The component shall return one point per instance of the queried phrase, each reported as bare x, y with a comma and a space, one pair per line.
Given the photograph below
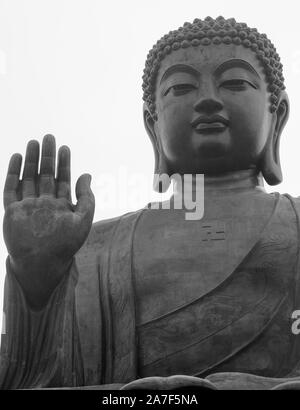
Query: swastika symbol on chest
213, 231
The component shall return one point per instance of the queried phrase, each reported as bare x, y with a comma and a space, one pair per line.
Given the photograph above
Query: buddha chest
234, 268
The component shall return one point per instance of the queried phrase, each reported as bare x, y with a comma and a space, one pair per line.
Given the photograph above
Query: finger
30, 172
47, 169
12, 180
64, 173
85, 198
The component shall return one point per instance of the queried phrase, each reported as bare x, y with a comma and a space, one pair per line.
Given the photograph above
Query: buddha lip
214, 121
211, 127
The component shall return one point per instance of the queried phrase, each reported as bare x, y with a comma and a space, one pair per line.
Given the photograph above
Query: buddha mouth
215, 123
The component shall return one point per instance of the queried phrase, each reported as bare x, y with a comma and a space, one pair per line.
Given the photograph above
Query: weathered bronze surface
149, 295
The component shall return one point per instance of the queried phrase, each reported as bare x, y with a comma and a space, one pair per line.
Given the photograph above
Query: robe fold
88, 333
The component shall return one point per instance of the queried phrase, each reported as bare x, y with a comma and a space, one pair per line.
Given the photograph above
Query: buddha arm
40, 348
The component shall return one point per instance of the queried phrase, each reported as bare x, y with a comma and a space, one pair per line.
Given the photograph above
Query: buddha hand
176, 382
42, 228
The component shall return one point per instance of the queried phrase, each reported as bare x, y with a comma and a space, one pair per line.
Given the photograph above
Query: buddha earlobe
270, 165
160, 167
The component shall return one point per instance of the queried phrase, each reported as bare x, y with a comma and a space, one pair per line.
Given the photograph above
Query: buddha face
213, 110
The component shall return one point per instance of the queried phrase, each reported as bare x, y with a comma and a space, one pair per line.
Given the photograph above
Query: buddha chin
212, 146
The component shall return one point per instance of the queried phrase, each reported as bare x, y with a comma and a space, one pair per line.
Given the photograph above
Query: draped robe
88, 333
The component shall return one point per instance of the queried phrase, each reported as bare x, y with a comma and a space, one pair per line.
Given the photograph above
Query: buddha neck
239, 181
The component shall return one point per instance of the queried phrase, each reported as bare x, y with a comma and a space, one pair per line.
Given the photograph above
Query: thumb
85, 197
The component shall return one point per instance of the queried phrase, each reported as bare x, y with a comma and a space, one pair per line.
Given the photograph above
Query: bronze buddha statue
150, 294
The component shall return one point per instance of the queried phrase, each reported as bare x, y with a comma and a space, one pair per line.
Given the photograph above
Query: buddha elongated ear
160, 184
270, 166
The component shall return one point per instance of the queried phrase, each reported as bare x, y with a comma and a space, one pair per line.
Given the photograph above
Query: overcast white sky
73, 68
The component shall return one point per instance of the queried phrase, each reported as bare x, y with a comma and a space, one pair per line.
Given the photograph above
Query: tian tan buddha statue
130, 301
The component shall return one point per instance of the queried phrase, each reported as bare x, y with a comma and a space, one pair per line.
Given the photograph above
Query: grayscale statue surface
151, 299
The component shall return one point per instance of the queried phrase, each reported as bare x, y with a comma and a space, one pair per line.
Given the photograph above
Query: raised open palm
42, 228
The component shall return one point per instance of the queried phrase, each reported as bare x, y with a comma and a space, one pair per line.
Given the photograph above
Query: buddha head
215, 100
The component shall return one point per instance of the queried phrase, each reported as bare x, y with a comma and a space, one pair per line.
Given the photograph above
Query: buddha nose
208, 101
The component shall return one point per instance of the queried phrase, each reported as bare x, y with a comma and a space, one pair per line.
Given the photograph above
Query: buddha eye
237, 84
180, 89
